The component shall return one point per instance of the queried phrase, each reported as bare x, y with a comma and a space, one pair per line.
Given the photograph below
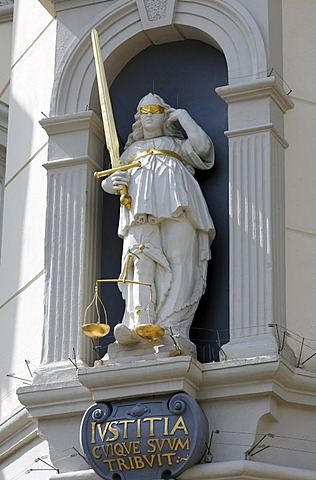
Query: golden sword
111, 138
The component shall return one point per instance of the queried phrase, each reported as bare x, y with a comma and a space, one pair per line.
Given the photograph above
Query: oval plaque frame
144, 439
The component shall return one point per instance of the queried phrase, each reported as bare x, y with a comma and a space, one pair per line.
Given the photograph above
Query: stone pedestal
165, 347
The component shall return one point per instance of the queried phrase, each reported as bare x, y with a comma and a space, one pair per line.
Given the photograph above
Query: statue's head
153, 104
152, 115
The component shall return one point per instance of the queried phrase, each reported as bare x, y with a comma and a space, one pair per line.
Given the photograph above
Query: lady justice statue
167, 231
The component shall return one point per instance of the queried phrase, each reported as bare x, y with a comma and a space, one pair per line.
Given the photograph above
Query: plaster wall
299, 37
291, 442
22, 246
31, 78
21, 318
31, 20
22, 258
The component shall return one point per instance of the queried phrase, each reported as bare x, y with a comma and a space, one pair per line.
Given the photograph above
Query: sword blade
111, 138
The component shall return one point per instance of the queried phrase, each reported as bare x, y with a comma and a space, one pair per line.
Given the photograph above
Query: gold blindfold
151, 109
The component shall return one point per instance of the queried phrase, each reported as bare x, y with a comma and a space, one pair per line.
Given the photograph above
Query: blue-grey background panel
185, 74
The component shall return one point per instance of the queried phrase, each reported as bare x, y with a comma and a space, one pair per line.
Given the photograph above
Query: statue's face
152, 122
152, 115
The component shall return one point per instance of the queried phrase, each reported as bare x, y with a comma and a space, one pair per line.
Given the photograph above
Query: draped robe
164, 189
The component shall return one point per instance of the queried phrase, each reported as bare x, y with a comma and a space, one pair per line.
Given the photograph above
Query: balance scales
147, 331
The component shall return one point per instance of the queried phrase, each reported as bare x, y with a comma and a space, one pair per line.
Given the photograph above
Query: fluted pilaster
256, 232
71, 241
72, 235
256, 210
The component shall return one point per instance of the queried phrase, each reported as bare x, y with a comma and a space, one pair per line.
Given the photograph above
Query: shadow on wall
18, 321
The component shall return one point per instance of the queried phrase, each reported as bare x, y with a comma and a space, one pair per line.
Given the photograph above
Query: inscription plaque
148, 438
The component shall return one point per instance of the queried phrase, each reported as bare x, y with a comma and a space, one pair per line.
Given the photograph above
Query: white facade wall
27, 75
299, 71
272, 395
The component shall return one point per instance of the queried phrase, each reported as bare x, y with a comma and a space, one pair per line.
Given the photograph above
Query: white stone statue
168, 230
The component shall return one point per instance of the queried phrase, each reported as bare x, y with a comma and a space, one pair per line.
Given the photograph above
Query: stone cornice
54, 399
73, 122
15, 422
251, 377
266, 87
143, 378
6, 12
243, 469
4, 113
3, 152
15, 432
234, 470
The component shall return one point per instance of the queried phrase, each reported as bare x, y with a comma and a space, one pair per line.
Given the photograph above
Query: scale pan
95, 330
150, 331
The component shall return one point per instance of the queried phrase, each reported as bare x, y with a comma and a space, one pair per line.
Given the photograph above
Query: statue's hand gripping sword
111, 139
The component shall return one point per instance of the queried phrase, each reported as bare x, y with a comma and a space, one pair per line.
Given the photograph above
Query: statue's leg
144, 296
140, 300
180, 245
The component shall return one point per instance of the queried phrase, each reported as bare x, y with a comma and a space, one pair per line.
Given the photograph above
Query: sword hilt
125, 198
122, 168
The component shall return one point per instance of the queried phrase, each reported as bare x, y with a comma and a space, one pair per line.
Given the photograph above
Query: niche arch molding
226, 25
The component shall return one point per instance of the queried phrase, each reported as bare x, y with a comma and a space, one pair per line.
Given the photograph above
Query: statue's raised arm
168, 230
201, 143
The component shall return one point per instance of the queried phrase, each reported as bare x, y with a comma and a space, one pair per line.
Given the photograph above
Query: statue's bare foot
125, 335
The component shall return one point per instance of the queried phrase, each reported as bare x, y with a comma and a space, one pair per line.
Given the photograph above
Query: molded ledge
229, 379
4, 114
268, 127
55, 399
256, 89
245, 470
78, 135
258, 376
71, 162
6, 13
143, 378
235, 470
72, 123
16, 432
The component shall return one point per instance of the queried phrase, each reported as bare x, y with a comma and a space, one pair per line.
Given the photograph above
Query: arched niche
227, 25
256, 105
186, 74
